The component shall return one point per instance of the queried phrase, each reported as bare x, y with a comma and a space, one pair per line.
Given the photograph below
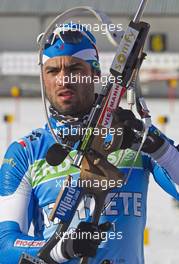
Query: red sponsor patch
29, 243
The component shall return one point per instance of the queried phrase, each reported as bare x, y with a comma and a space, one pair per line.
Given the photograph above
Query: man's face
68, 96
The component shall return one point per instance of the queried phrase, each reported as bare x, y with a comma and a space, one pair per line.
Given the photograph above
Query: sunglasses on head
69, 36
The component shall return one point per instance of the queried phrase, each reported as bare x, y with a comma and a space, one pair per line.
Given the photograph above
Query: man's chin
72, 110
67, 111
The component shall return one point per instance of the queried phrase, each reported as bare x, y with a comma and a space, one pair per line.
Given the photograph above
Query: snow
163, 215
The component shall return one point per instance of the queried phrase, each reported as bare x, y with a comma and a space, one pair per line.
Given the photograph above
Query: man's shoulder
38, 140
35, 135
34, 145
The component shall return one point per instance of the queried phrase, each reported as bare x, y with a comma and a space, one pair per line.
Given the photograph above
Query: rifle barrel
140, 11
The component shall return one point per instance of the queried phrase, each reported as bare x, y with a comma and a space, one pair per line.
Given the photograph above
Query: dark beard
73, 111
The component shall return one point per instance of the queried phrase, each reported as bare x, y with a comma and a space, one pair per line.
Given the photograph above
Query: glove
129, 123
156, 143
85, 240
152, 143
127, 120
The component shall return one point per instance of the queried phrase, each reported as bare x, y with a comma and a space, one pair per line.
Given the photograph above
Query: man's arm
170, 161
16, 210
17, 201
167, 156
163, 156
16, 206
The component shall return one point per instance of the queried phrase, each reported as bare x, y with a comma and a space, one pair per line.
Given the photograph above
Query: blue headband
84, 50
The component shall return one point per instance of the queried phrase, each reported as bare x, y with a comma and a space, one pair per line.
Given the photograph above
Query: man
29, 185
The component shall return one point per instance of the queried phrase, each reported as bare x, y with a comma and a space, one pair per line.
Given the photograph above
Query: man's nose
62, 78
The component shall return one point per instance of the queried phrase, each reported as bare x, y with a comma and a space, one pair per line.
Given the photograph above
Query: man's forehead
64, 60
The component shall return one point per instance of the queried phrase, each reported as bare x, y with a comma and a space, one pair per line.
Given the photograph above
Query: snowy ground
163, 216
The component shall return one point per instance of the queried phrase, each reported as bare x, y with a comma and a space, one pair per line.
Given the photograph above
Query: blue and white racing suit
29, 187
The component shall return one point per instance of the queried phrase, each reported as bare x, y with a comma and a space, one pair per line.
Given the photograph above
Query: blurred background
20, 104
22, 20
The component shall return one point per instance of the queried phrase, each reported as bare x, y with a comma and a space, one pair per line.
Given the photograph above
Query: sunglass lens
71, 37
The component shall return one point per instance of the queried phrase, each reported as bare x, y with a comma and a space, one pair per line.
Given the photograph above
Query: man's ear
96, 73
